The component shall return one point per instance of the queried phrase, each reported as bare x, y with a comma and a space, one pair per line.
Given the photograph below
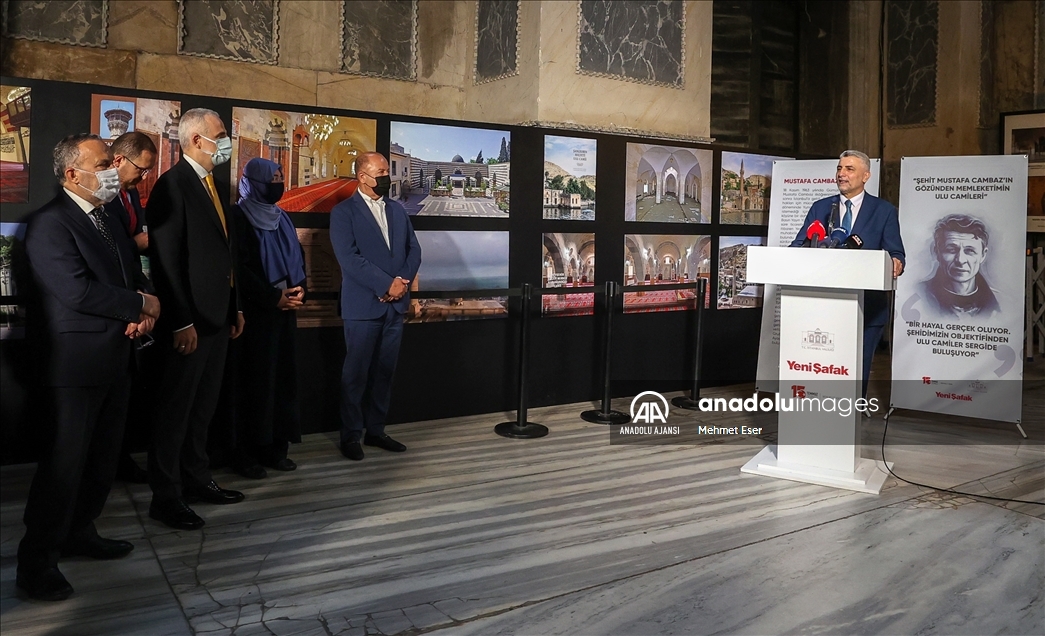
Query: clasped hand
147, 319
291, 299
397, 290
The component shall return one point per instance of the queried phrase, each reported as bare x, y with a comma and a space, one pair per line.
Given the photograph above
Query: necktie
847, 220
98, 216
209, 180
131, 215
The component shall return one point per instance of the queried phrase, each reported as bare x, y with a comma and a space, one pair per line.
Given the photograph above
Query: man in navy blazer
877, 223
379, 256
90, 295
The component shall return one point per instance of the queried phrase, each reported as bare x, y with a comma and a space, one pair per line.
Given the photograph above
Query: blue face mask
223, 151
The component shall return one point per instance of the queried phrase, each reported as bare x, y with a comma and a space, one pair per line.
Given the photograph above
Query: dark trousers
872, 336
188, 397
75, 471
372, 348
267, 416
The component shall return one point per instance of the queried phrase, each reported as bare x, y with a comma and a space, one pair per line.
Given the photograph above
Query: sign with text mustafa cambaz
796, 186
958, 346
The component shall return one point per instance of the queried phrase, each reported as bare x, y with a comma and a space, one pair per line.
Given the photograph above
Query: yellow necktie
209, 180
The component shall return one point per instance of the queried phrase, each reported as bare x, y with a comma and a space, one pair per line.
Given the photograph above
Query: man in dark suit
90, 291
133, 156
379, 256
877, 223
192, 256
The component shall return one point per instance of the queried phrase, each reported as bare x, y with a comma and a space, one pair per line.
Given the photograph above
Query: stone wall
292, 53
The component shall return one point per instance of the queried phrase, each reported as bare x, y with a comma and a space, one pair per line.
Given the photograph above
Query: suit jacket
256, 293
368, 265
190, 256
878, 224
86, 296
116, 209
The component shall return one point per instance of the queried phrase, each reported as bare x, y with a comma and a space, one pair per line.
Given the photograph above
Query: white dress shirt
377, 208
858, 202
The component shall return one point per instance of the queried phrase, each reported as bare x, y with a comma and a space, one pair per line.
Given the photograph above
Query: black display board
452, 368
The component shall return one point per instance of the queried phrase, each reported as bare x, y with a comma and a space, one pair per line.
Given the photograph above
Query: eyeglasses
144, 340
143, 171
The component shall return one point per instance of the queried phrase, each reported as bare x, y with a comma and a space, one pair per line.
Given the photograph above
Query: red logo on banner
798, 391
926, 379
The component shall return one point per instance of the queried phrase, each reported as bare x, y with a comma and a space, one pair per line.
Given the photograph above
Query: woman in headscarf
271, 278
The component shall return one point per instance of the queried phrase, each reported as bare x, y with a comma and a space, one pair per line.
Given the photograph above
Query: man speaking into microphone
857, 220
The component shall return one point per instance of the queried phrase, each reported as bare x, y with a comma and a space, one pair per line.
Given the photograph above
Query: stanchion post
520, 428
607, 415
692, 401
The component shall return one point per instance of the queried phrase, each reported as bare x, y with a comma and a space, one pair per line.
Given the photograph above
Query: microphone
833, 220
837, 238
854, 242
815, 233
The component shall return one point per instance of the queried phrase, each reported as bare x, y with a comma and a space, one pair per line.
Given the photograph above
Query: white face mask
108, 184
223, 150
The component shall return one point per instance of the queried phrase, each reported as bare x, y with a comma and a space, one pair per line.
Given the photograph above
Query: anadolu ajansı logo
651, 411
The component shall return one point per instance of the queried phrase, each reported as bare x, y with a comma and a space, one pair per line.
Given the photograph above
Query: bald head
369, 167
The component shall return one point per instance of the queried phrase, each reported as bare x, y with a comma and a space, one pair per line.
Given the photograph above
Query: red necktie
126, 198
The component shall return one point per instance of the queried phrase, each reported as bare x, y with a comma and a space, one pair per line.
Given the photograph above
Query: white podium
821, 363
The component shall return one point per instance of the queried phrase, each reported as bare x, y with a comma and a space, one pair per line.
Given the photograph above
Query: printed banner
796, 186
958, 345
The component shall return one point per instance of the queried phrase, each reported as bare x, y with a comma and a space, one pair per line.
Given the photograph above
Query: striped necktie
98, 216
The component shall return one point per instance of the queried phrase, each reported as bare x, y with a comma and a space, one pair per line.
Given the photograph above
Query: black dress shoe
352, 450
211, 493
44, 585
285, 465
250, 471
175, 514
129, 472
97, 547
383, 441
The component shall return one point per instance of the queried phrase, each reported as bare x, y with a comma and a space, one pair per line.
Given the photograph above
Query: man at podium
857, 219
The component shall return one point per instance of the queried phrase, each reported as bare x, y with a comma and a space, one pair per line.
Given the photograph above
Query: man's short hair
193, 122
133, 144
366, 160
859, 155
963, 224
67, 153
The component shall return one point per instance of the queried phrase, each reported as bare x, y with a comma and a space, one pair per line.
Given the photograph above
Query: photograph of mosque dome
569, 178
569, 261
459, 261
450, 171
317, 152
667, 184
15, 111
655, 259
113, 115
734, 292
745, 187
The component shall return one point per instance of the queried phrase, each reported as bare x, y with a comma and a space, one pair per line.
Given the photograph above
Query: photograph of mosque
744, 191
569, 178
667, 184
734, 292
113, 115
656, 259
318, 153
457, 261
450, 171
12, 316
568, 261
15, 110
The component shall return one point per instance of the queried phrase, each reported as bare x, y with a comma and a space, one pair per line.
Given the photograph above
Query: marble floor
471, 533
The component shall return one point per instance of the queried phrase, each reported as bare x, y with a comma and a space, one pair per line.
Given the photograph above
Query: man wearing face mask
379, 255
192, 255
89, 291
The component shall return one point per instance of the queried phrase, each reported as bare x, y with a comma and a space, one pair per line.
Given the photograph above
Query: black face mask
270, 193
384, 184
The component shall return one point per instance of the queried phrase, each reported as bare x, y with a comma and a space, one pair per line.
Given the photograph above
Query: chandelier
321, 126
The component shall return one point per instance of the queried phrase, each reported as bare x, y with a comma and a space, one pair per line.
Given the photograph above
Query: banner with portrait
796, 186
958, 345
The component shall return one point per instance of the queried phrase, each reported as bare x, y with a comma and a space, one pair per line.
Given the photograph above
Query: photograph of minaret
113, 115
745, 187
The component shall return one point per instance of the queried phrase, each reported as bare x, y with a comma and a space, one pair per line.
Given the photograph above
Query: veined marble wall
452, 60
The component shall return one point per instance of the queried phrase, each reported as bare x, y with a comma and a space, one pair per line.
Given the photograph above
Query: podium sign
821, 362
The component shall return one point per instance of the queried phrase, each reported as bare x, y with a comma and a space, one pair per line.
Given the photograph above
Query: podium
821, 363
